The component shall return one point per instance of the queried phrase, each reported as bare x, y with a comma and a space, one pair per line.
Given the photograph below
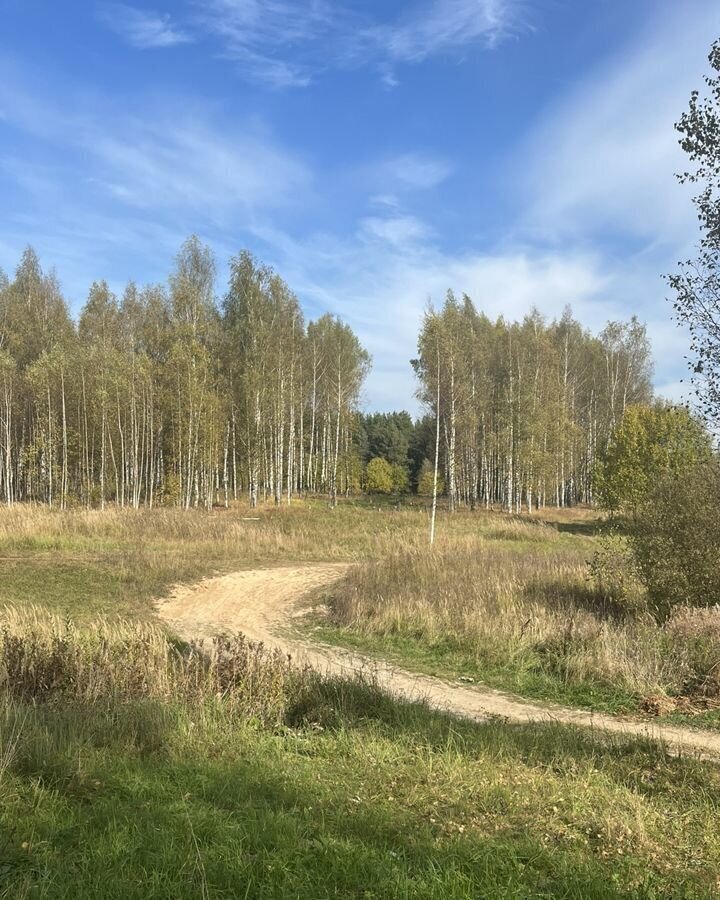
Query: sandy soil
261, 603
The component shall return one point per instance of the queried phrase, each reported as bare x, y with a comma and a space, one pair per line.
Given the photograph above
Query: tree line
169, 395
166, 394
524, 408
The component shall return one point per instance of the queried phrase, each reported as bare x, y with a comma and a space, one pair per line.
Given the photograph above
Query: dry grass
112, 563
132, 766
44, 659
528, 612
499, 593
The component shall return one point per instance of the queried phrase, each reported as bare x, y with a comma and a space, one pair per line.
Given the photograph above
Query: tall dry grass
44, 659
114, 562
532, 611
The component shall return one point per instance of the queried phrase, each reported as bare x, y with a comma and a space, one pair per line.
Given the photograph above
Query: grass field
153, 774
513, 605
132, 767
502, 600
112, 563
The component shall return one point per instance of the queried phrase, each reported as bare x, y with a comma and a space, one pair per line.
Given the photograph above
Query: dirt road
262, 602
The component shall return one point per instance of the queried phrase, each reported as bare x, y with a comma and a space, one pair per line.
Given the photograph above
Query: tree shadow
560, 596
587, 528
250, 825
305, 815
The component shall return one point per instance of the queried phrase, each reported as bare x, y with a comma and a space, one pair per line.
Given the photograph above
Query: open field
501, 600
132, 765
89, 563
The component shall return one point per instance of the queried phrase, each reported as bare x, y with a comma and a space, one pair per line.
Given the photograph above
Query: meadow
525, 606
135, 765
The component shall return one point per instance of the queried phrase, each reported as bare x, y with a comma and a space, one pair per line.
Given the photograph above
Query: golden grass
46, 659
530, 610
507, 591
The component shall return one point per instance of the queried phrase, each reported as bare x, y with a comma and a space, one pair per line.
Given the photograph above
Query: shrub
379, 476
649, 444
45, 660
400, 479
676, 540
425, 481
613, 572
693, 638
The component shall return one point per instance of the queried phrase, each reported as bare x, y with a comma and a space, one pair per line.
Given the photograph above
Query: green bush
425, 480
379, 476
675, 538
649, 444
400, 479
613, 572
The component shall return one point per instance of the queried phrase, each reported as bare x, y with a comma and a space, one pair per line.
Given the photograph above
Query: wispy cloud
177, 157
598, 170
190, 165
284, 44
414, 170
402, 232
440, 26
142, 29
603, 160
127, 185
270, 42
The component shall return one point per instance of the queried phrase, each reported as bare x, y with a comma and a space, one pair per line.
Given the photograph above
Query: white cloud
126, 187
414, 170
142, 28
604, 158
439, 26
262, 38
286, 44
401, 231
675, 391
190, 165
165, 157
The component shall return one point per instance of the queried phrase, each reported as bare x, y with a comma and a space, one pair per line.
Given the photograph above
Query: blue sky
375, 153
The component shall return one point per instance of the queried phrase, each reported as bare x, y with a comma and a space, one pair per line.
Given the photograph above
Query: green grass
76, 588
360, 797
453, 661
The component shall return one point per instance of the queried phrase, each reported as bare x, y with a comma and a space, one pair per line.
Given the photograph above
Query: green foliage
425, 480
400, 479
614, 574
387, 435
422, 447
676, 539
649, 444
379, 476
696, 282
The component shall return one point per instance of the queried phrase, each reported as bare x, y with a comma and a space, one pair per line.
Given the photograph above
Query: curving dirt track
261, 603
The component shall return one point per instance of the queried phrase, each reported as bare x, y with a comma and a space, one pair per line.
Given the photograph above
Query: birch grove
524, 408
165, 395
